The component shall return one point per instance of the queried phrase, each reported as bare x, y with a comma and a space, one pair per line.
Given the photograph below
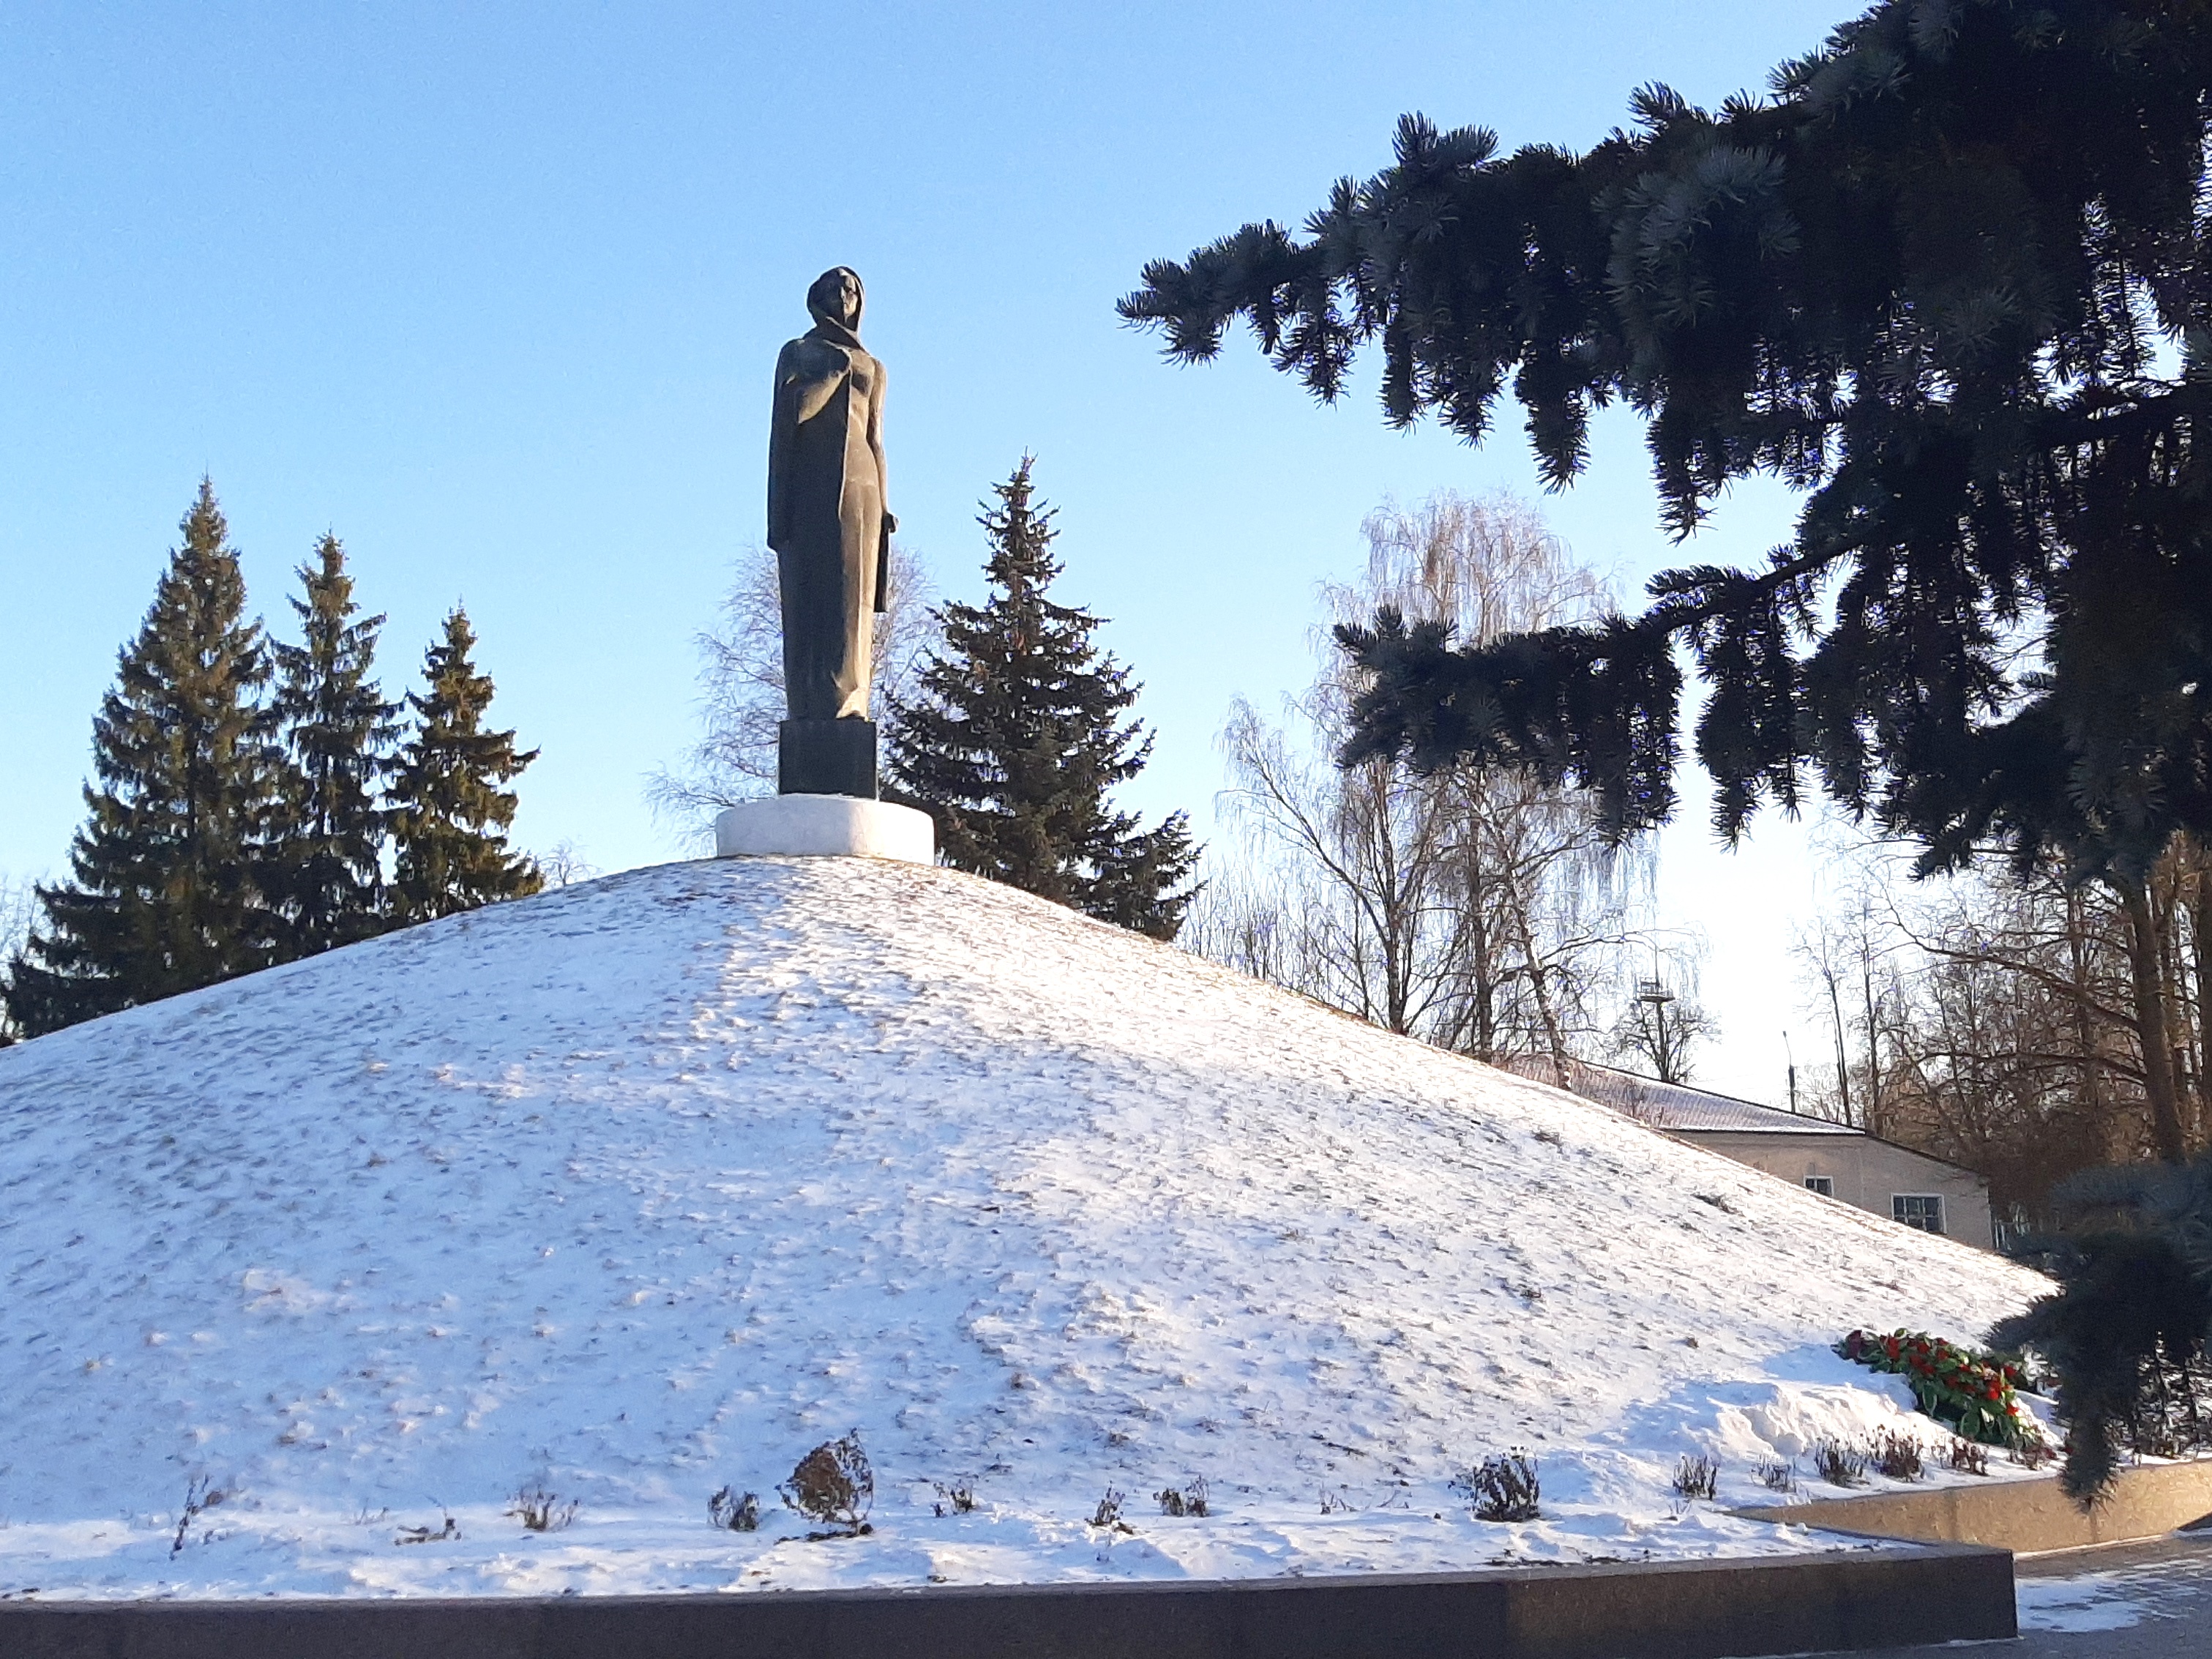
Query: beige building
1849, 1165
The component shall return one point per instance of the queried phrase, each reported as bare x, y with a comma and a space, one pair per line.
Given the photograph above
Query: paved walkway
2131, 1602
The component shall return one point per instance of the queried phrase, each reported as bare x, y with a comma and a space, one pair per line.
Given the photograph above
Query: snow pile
641, 1189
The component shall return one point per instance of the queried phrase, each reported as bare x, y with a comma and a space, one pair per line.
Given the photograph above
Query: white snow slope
644, 1188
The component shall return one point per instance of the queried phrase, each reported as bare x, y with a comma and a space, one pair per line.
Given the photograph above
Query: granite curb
1733, 1609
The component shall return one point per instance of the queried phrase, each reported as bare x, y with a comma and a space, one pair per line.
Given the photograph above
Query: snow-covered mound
642, 1188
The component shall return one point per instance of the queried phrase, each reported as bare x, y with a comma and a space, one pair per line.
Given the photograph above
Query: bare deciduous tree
18, 905
1851, 954
1663, 1023
1997, 1021
741, 685
1477, 909
565, 866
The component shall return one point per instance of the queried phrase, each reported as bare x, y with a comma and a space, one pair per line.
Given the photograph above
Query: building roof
1673, 1106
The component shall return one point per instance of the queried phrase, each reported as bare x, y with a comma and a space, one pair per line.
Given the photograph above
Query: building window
1824, 1185
1923, 1211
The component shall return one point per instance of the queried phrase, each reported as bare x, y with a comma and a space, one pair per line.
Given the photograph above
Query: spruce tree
164, 898
447, 812
1016, 738
326, 853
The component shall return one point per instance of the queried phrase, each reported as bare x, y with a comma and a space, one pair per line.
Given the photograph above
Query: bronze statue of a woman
828, 524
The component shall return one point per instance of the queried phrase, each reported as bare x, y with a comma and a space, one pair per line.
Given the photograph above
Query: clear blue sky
493, 292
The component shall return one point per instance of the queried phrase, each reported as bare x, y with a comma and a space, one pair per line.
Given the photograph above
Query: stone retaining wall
2027, 1516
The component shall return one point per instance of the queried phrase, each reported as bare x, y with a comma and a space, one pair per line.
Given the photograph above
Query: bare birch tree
1476, 909
18, 906
741, 687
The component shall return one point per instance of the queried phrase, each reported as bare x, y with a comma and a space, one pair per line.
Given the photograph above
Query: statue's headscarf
823, 294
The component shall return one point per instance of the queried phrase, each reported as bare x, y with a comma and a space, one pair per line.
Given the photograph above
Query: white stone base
833, 826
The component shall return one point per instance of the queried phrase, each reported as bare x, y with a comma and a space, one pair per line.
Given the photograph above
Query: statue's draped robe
825, 517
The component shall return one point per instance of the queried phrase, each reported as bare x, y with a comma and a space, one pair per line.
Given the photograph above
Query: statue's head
837, 297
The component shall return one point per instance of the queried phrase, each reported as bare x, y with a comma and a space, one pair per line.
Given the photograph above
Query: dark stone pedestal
826, 757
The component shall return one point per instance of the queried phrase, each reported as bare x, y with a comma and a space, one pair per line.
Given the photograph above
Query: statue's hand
890, 524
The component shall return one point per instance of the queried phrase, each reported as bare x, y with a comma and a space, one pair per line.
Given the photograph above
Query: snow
2076, 1605
644, 1188
2118, 1587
